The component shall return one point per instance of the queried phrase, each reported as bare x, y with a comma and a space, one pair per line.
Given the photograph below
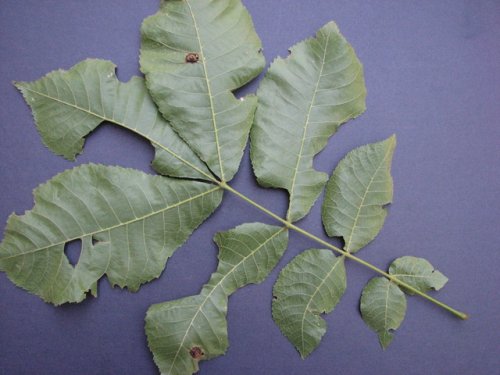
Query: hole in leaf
95, 241
275, 298
72, 250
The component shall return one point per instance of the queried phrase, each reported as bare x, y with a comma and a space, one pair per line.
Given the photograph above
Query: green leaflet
383, 307
310, 285
303, 100
129, 223
185, 331
357, 191
194, 53
68, 105
383, 303
418, 273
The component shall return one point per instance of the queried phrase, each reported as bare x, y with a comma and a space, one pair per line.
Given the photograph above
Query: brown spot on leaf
192, 57
196, 352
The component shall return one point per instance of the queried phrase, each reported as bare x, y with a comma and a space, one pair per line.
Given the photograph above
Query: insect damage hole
196, 352
72, 250
192, 57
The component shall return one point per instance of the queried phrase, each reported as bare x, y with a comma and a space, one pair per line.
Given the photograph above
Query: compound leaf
310, 285
303, 100
129, 224
194, 53
383, 308
418, 273
183, 332
68, 105
357, 191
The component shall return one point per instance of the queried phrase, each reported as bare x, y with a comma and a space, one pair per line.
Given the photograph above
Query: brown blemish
196, 352
192, 57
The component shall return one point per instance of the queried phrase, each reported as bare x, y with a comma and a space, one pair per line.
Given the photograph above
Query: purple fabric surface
433, 76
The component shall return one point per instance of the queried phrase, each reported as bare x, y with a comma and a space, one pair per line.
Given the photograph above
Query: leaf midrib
144, 217
312, 297
361, 205
386, 307
417, 276
214, 288
304, 133
209, 89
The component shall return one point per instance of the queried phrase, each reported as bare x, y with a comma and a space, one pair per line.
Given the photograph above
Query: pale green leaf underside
356, 193
129, 224
196, 97
418, 273
383, 308
68, 105
183, 332
303, 100
310, 285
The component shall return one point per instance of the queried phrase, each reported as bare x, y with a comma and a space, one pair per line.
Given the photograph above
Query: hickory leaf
129, 224
310, 285
184, 331
194, 54
303, 100
357, 191
68, 105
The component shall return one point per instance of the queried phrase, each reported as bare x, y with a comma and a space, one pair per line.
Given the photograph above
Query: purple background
433, 76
